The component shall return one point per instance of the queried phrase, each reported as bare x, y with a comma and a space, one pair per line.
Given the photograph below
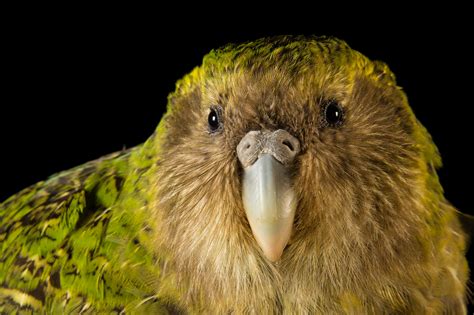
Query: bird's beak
269, 203
268, 196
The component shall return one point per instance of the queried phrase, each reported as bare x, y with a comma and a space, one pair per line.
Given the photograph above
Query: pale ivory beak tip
273, 255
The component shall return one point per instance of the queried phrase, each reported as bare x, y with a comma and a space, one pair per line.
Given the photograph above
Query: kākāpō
288, 175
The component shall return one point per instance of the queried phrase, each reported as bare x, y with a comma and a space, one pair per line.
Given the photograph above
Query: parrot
288, 175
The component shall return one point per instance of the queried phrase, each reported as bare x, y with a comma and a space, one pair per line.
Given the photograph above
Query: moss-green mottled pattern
67, 246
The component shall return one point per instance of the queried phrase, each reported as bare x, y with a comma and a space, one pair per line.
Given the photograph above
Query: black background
78, 87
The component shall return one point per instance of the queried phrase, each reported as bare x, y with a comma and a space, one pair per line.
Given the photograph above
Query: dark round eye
333, 114
213, 120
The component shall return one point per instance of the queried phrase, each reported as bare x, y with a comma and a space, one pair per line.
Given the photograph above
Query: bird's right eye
333, 114
213, 120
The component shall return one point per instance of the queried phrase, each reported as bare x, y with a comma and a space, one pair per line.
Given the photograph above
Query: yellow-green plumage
68, 246
161, 228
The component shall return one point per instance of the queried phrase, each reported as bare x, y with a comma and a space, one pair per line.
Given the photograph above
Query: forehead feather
317, 64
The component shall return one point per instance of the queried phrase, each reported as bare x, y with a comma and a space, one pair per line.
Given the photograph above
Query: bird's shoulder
66, 199
38, 226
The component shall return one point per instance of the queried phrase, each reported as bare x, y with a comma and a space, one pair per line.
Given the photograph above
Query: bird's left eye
333, 114
213, 120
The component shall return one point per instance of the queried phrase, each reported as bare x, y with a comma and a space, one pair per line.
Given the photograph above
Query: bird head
291, 157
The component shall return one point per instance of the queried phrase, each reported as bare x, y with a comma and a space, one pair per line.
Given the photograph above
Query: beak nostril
288, 144
279, 143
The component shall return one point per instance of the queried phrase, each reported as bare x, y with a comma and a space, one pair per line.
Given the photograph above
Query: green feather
68, 245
